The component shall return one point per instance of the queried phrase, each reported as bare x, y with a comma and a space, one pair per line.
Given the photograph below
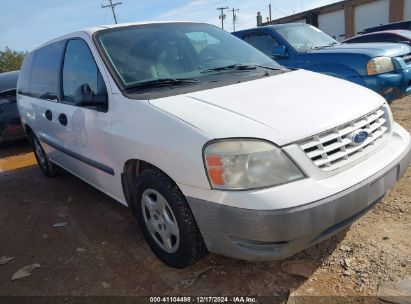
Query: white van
212, 145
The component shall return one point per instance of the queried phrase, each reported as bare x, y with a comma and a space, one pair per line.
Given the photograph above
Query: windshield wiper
272, 68
241, 67
161, 82
324, 46
237, 66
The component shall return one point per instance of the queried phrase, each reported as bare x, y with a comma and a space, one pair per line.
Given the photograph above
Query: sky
26, 24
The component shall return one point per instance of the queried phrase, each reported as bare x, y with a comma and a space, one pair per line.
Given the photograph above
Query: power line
247, 20
112, 6
243, 22
281, 12
234, 17
222, 15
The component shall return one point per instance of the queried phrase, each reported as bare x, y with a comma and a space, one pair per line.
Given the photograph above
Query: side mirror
279, 52
85, 97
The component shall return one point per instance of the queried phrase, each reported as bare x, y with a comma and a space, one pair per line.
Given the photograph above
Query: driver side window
80, 69
262, 41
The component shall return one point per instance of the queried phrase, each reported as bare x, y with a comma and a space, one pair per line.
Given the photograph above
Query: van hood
369, 49
283, 109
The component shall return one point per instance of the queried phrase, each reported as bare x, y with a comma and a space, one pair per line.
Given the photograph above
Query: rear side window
363, 39
23, 83
45, 73
384, 38
80, 69
374, 38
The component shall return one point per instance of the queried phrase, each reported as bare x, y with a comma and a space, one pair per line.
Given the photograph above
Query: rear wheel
46, 166
166, 220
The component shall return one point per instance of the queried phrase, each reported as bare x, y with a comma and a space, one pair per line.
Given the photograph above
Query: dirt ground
99, 250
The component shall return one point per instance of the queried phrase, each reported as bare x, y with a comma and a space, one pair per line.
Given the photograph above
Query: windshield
406, 34
144, 53
304, 37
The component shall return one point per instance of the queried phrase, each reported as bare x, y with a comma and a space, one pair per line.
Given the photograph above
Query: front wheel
166, 220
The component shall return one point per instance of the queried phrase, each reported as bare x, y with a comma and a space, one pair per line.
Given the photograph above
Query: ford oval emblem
358, 137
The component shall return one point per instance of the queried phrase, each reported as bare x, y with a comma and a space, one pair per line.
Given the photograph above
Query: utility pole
112, 5
234, 17
222, 16
269, 8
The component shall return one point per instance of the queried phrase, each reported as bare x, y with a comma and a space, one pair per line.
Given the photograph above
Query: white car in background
211, 144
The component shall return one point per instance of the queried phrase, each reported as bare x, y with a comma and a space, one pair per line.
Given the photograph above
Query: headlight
247, 164
380, 65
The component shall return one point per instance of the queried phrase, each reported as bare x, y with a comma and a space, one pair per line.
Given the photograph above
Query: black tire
191, 246
48, 168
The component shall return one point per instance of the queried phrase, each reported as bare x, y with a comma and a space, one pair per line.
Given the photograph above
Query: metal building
345, 19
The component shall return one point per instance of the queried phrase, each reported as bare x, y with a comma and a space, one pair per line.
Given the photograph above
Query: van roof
91, 30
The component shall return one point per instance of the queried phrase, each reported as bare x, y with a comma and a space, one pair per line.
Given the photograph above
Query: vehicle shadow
274, 279
15, 148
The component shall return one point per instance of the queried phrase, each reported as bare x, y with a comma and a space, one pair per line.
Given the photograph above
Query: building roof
302, 15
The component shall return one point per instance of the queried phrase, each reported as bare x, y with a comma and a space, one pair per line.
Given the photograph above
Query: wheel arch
29, 131
131, 170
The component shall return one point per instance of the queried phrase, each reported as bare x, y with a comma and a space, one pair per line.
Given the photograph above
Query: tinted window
374, 38
264, 42
361, 39
45, 73
23, 83
80, 69
384, 38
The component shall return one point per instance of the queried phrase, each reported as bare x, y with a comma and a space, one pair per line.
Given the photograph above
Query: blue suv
382, 67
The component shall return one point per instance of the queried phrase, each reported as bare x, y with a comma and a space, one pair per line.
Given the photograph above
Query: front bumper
269, 234
391, 86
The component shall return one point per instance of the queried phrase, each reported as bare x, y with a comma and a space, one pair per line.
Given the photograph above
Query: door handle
48, 115
63, 119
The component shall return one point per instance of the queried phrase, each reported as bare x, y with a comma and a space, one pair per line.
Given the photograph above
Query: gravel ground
99, 250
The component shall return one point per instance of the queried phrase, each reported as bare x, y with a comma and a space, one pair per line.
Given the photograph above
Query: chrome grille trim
333, 149
406, 58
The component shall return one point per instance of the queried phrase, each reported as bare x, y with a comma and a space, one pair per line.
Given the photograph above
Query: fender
338, 70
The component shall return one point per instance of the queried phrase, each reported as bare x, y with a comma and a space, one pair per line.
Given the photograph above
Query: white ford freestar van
211, 144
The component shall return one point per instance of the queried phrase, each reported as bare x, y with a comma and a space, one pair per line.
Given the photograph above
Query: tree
11, 60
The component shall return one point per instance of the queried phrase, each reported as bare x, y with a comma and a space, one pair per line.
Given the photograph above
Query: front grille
333, 149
